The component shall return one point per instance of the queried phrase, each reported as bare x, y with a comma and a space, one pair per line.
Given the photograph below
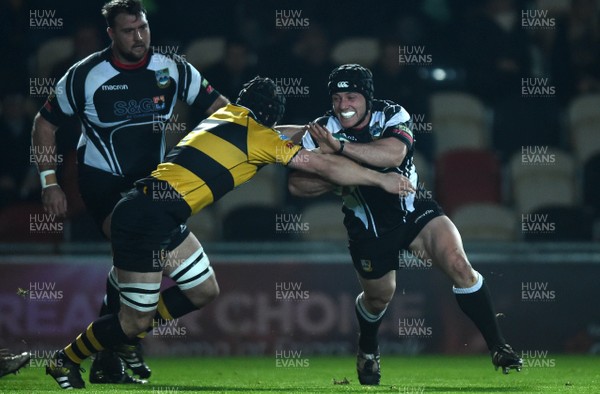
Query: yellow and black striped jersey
222, 152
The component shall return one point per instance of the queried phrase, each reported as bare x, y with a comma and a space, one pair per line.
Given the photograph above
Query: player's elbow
295, 186
295, 189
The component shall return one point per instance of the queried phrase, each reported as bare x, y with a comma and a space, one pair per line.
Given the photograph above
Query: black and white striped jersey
124, 110
370, 211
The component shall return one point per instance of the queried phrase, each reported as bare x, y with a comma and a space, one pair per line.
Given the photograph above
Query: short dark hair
113, 8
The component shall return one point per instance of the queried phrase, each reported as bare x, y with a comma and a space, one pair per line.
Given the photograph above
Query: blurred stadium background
505, 96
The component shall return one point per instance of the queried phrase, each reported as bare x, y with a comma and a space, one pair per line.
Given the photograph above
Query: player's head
263, 98
352, 78
351, 91
128, 29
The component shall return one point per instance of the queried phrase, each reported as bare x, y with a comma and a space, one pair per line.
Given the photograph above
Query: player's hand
324, 138
397, 184
54, 201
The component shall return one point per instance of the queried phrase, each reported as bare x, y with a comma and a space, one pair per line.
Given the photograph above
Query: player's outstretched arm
344, 172
304, 184
385, 152
43, 144
292, 131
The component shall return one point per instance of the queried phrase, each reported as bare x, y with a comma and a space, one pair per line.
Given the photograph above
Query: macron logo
115, 87
343, 84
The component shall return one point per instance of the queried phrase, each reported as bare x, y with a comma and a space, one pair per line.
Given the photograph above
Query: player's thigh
440, 242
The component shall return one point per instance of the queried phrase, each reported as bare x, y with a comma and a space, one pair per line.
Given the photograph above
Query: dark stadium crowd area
504, 94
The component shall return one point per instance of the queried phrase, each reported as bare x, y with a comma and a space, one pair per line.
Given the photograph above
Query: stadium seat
204, 52
27, 222
52, 52
362, 50
486, 222
467, 176
458, 121
553, 223
584, 126
325, 221
537, 184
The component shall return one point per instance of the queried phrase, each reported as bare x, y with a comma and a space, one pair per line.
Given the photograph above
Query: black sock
103, 333
369, 326
476, 303
173, 304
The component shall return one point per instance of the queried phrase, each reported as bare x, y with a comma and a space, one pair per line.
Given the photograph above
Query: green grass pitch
401, 374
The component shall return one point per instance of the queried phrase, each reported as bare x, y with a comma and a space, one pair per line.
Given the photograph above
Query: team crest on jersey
163, 79
366, 265
159, 102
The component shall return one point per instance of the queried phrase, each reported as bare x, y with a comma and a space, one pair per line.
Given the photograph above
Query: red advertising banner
265, 308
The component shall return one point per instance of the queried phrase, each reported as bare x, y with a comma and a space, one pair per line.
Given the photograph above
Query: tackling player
221, 153
124, 97
377, 134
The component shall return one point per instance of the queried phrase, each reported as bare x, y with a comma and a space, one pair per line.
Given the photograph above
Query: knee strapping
193, 271
142, 297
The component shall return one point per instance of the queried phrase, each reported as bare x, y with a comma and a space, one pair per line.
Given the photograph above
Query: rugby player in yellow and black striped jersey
221, 153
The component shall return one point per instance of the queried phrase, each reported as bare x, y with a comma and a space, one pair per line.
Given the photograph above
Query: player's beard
133, 57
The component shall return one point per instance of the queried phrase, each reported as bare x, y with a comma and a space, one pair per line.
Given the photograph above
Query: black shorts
101, 191
142, 231
375, 257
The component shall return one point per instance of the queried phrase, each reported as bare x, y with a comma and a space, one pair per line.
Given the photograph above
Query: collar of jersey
140, 64
232, 113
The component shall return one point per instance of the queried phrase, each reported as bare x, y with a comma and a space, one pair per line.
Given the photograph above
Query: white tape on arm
48, 178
